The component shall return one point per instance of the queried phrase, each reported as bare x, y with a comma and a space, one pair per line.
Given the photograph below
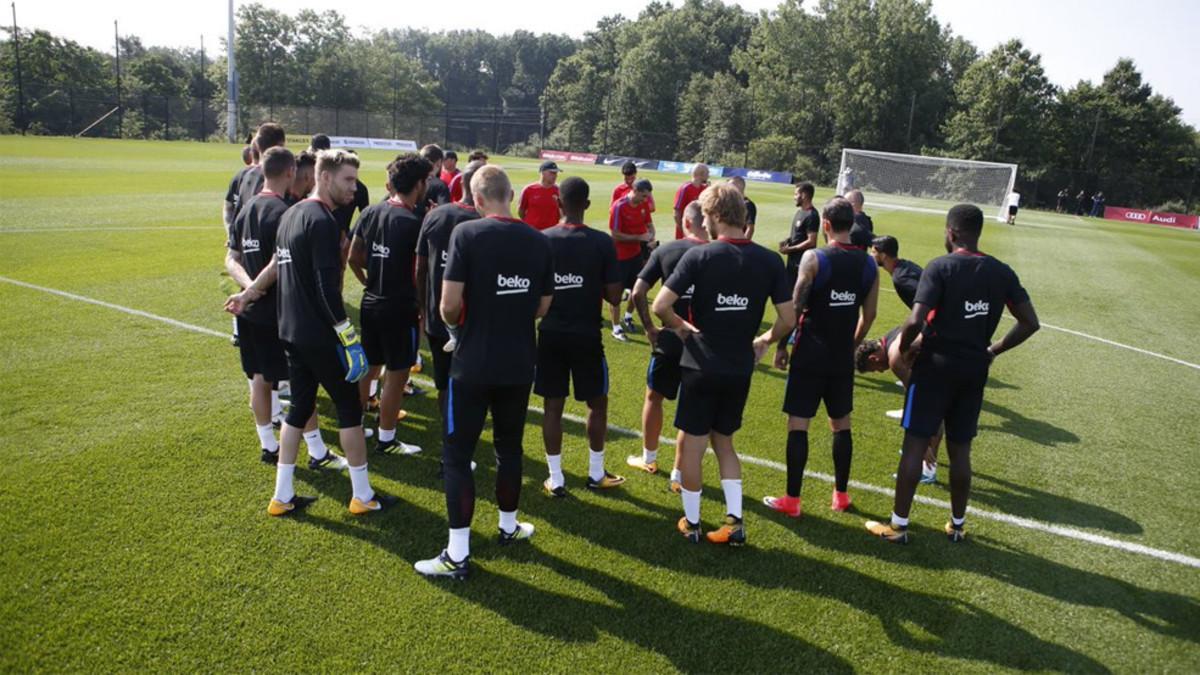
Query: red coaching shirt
624, 189
686, 194
446, 176
629, 218
540, 204
456, 187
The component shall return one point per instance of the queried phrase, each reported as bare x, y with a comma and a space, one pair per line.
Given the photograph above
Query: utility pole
912, 108
20, 85
231, 89
203, 91
120, 110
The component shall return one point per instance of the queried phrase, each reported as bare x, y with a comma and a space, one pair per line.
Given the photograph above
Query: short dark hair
887, 245
407, 170
432, 153
305, 160
277, 161
269, 135
807, 188
574, 192
319, 142
864, 352
629, 168
839, 213
643, 185
450, 154
477, 154
965, 218
247, 154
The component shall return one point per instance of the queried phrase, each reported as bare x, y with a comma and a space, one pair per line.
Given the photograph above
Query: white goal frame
982, 196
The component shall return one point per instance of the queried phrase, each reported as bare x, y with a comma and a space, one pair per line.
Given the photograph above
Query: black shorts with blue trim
390, 337
566, 357
941, 390
441, 360
664, 373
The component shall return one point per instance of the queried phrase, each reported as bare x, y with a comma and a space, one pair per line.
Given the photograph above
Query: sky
1077, 39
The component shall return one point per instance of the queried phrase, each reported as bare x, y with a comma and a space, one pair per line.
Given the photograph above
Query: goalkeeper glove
354, 359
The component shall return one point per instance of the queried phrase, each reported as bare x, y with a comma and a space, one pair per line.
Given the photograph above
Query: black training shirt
506, 267
805, 221
825, 338
659, 267
345, 214
433, 243
751, 212
436, 194
862, 231
967, 293
253, 235
251, 183
309, 256
905, 279
585, 261
732, 278
389, 233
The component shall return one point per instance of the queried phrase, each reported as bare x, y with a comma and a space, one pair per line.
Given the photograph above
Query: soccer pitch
132, 498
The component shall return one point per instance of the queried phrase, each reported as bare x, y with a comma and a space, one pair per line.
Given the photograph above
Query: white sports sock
266, 437
596, 464
733, 497
958, 522
386, 435
556, 475
691, 505
677, 475
276, 405
374, 387
897, 521
649, 455
283, 482
508, 520
629, 316
361, 484
460, 544
316, 444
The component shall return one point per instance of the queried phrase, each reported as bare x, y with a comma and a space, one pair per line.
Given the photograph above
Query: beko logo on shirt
379, 250
564, 281
250, 245
513, 284
283, 255
841, 298
732, 303
974, 309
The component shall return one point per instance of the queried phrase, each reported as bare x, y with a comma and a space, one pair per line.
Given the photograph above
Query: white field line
1027, 523
131, 228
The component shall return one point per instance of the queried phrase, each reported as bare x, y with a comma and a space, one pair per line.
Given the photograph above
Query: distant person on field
538, 205
633, 233
458, 183
863, 230
1098, 205
688, 193
1081, 203
449, 167
629, 174
1062, 200
1014, 202
751, 208
801, 237
905, 274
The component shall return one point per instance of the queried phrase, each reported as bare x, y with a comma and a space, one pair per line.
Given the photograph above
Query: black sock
797, 458
843, 449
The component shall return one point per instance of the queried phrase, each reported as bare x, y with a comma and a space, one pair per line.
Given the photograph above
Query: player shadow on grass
628, 611
1022, 500
1166, 613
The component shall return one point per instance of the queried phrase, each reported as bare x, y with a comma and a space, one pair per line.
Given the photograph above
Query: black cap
643, 185
548, 166
629, 168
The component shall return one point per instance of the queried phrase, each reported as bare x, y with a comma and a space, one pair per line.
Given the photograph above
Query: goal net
929, 184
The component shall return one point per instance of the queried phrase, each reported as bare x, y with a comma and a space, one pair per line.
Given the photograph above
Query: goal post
929, 184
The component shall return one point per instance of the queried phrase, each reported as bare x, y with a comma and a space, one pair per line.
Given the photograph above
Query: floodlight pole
203, 82
20, 85
231, 88
117, 52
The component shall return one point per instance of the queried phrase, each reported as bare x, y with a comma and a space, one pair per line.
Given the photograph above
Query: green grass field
132, 499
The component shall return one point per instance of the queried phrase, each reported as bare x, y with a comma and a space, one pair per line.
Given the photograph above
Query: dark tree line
785, 90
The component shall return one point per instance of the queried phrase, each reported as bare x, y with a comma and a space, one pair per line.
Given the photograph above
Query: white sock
508, 520
691, 505
649, 455
677, 475
596, 464
386, 435
460, 544
897, 521
733, 497
361, 484
266, 437
374, 387
556, 475
958, 522
452, 331
629, 316
276, 405
316, 444
283, 482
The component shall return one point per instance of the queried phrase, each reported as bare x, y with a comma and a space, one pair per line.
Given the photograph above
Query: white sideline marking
1027, 523
132, 228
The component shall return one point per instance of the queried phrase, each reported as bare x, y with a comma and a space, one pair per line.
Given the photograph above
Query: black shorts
441, 361
390, 338
664, 372
806, 389
310, 366
628, 270
562, 357
940, 391
1012, 210
711, 402
262, 351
